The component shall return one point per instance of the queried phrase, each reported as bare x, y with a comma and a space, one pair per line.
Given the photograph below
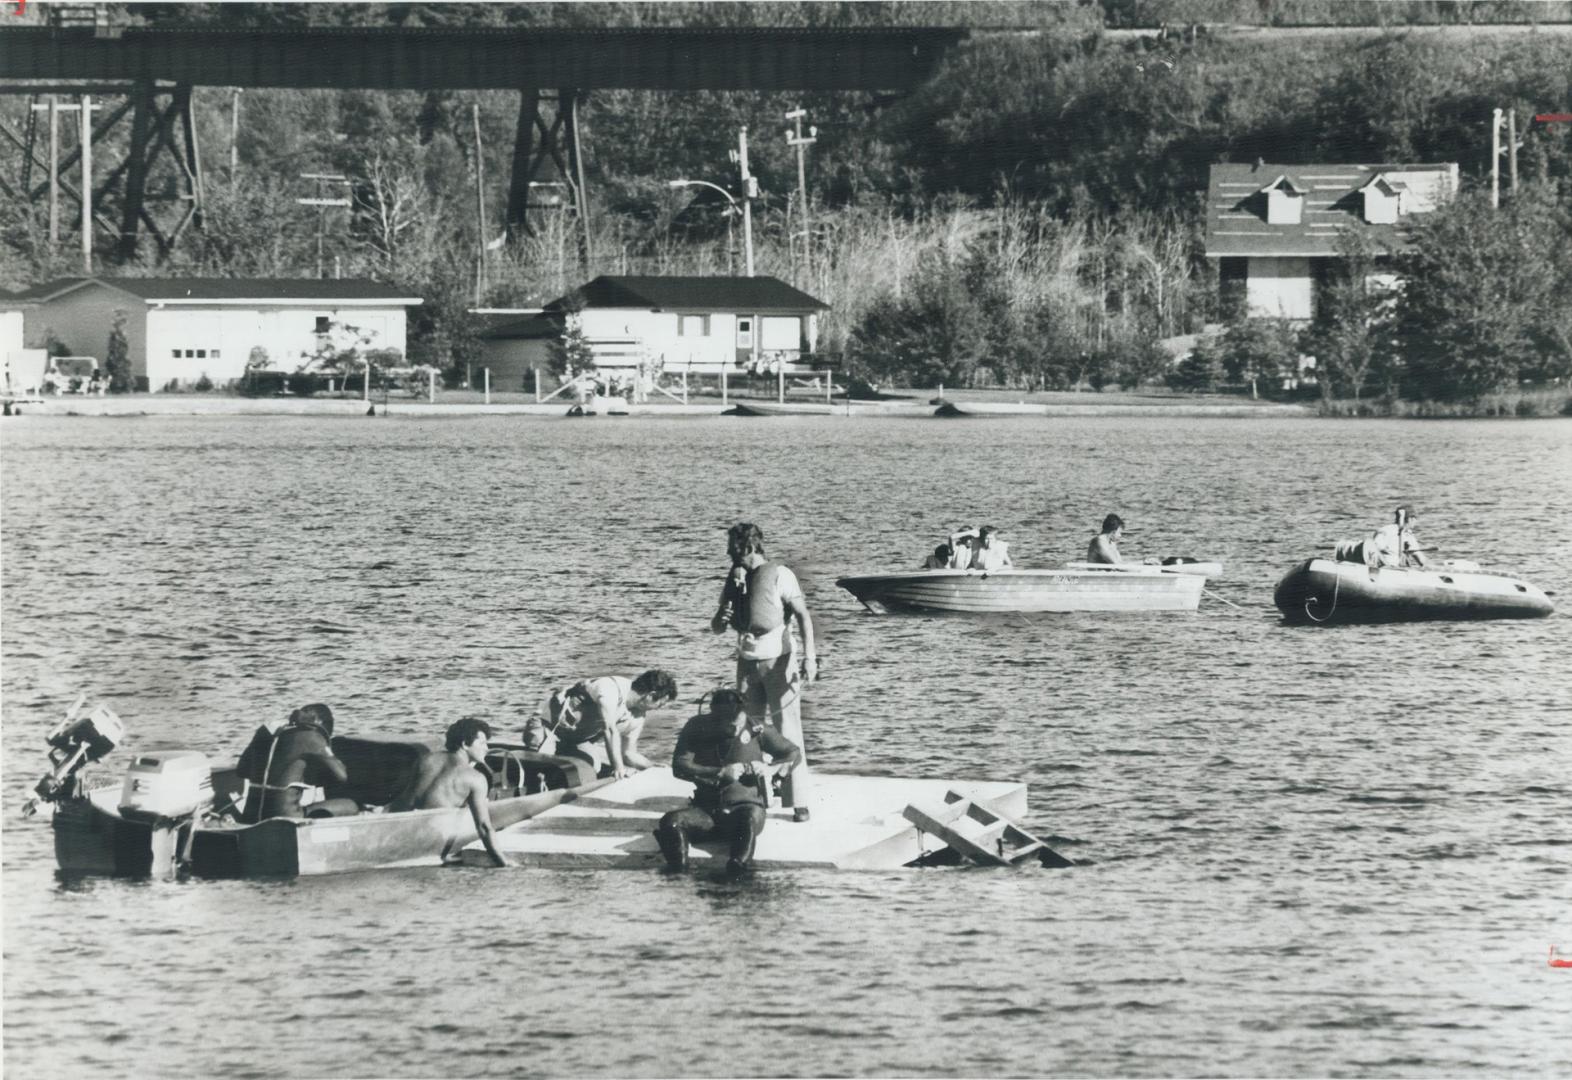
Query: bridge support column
548, 165
152, 133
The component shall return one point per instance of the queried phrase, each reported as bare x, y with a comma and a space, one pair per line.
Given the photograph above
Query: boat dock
858, 823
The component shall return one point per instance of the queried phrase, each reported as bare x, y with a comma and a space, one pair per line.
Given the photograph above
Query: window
190, 354
694, 326
175, 353
213, 353
201, 354
744, 333
322, 324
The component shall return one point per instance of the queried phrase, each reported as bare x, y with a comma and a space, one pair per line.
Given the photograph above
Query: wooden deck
857, 824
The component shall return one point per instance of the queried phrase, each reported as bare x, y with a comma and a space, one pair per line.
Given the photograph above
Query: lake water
1327, 852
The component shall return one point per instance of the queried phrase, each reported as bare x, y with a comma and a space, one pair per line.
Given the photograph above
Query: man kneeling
721, 753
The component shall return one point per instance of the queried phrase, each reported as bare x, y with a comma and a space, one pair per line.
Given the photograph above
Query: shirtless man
759, 600
1104, 547
453, 779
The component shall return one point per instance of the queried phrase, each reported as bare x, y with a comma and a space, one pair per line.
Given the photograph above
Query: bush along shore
1528, 403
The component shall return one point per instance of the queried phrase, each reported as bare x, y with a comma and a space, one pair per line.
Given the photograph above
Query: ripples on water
1306, 852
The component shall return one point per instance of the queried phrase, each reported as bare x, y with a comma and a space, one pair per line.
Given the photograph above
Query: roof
217, 290
736, 294
1236, 221
495, 326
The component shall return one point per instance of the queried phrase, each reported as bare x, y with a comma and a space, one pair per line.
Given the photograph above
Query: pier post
488, 386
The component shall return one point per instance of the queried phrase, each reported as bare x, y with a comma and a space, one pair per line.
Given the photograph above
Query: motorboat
1127, 587
1329, 591
173, 813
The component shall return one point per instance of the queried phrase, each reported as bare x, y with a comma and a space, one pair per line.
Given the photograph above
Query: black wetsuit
301, 758
727, 810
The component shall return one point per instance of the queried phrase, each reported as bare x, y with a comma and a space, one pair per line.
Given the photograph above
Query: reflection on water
1304, 851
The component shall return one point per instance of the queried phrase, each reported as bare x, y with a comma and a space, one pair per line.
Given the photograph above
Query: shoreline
462, 403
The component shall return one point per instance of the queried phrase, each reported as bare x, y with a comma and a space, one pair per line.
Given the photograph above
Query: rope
1214, 596
1336, 588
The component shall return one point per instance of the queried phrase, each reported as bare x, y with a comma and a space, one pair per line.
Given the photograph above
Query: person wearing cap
721, 753
284, 768
1395, 544
600, 720
1104, 547
759, 600
992, 553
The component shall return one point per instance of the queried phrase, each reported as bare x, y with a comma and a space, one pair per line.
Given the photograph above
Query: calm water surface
1304, 852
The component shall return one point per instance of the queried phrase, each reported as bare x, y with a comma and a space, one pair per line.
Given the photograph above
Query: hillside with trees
1030, 217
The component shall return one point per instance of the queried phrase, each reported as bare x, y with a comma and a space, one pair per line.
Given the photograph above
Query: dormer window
1385, 200
1285, 201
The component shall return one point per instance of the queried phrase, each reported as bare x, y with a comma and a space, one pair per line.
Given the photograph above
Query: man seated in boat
1104, 547
940, 559
599, 720
285, 768
1390, 545
992, 553
963, 548
454, 778
721, 752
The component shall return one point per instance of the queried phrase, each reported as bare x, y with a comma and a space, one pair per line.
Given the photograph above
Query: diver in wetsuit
722, 753
281, 766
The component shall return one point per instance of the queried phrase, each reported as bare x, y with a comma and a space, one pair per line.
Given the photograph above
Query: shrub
118, 363
204, 384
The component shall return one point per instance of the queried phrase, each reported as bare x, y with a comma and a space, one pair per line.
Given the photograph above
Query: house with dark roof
1274, 228
675, 326
181, 329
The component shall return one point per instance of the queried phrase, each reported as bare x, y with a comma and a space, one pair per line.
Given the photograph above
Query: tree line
1031, 217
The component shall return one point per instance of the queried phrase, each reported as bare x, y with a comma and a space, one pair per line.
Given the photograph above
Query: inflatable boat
1325, 592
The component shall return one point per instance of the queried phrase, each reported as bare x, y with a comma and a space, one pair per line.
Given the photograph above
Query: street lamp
747, 218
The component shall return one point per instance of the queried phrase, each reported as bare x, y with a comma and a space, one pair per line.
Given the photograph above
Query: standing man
1104, 547
759, 601
454, 779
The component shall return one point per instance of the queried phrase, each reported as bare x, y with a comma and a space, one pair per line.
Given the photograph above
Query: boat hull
92, 837
977, 592
1326, 592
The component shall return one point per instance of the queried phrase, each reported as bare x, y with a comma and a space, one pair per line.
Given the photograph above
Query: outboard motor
77, 741
166, 785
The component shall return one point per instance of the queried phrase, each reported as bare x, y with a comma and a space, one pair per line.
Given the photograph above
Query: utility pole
84, 110
87, 184
795, 138
54, 170
1512, 148
321, 202
480, 210
750, 191
234, 136
1495, 159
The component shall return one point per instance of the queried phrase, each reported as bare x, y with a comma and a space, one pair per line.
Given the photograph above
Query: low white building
181, 329
11, 328
1274, 228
